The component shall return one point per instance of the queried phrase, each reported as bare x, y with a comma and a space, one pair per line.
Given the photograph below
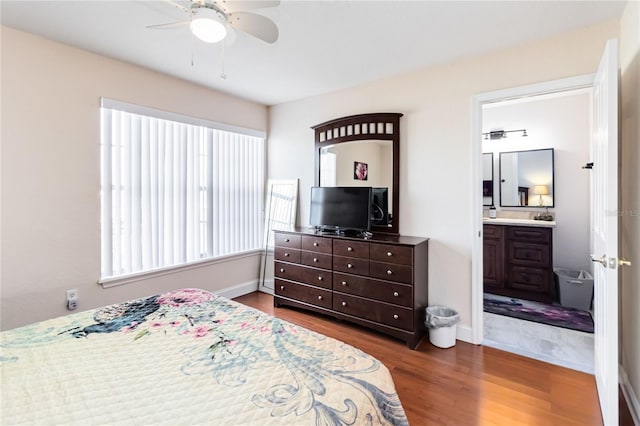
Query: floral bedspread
188, 357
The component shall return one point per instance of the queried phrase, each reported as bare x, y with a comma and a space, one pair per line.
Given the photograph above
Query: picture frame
360, 170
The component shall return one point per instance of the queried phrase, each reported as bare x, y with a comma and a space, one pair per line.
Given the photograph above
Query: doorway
536, 147
514, 95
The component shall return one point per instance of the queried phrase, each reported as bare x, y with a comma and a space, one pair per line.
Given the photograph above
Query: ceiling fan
210, 20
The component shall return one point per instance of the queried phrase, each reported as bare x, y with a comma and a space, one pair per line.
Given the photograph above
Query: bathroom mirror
526, 178
362, 150
487, 179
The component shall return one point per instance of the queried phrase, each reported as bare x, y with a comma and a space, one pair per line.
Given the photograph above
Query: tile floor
560, 346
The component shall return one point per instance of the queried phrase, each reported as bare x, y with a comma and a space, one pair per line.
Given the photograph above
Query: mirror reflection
362, 163
526, 178
487, 179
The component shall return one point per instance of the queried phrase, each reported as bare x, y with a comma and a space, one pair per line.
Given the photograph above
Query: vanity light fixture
502, 134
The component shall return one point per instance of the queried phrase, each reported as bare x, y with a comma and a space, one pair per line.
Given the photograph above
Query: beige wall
435, 175
51, 173
630, 195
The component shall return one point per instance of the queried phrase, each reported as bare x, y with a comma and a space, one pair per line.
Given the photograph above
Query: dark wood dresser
380, 282
518, 262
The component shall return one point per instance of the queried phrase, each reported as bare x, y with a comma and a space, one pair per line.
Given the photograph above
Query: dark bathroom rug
559, 316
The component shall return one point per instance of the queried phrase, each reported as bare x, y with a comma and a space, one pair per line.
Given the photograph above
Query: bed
188, 357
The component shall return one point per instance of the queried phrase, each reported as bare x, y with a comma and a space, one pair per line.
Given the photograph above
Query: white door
604, 207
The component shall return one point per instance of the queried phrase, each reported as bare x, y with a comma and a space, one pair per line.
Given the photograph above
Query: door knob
624, 262
601, 260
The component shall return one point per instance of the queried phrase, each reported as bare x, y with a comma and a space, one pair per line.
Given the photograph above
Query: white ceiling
323, 45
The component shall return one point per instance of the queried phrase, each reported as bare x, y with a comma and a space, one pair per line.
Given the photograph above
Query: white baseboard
238, 290
464, 333
630, 396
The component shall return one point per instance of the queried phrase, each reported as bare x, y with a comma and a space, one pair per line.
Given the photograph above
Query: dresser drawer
529, 234
286, 254
303, 274
380, 312
313, 295
398, 294
317, 244
530, 279
391, 272
389, 253
319, 260
351, 265
286, 240
528, 254
351, 249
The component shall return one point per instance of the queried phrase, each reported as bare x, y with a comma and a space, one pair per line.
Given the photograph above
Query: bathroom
545, 140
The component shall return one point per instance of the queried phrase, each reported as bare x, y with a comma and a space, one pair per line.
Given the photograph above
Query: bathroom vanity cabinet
518, 261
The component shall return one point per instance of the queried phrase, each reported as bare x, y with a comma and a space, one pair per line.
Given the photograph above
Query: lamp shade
208, 26
540, 190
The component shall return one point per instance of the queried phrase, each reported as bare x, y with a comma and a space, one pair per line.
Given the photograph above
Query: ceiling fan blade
168, 26
257, 25
244, 5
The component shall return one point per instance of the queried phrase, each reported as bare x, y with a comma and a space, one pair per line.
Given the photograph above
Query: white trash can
441, 322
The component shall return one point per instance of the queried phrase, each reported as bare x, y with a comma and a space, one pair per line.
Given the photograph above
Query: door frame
477, 101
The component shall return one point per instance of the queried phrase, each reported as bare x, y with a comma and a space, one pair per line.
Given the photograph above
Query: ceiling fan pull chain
223, 75
192, 38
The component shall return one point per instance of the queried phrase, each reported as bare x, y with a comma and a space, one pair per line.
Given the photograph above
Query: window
176, 190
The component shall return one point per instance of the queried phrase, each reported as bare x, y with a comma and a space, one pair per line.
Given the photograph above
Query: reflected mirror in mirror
487, 179
526, 178
337, 168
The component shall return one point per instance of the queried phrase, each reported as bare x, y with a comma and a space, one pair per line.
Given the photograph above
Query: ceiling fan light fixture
207, 26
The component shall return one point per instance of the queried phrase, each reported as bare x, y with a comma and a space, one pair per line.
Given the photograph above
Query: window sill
141, 276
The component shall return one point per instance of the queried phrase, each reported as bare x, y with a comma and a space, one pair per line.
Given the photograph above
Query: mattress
188, 357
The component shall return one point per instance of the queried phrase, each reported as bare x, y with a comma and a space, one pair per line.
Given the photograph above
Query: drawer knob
319, 278
319, 297
344, 303
349, 265
281, 287
389, 254
349, 248
396, 294
344, 283
286, 240
315, 259
286, 255
316, 244
389, 272
281, 269
395, 316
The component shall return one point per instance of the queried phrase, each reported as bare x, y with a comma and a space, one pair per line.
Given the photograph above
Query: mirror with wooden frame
363, 150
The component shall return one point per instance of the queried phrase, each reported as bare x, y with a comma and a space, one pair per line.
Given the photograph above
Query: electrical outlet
72, 299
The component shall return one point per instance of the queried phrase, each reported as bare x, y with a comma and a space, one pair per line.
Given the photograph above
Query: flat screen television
341, 208
380, 207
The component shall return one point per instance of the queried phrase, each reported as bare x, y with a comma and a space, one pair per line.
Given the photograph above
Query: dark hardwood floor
465, 384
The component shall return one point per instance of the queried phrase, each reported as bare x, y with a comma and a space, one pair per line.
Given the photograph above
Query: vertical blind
175, 192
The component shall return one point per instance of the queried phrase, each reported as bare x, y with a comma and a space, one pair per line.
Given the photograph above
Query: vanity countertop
519, 222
